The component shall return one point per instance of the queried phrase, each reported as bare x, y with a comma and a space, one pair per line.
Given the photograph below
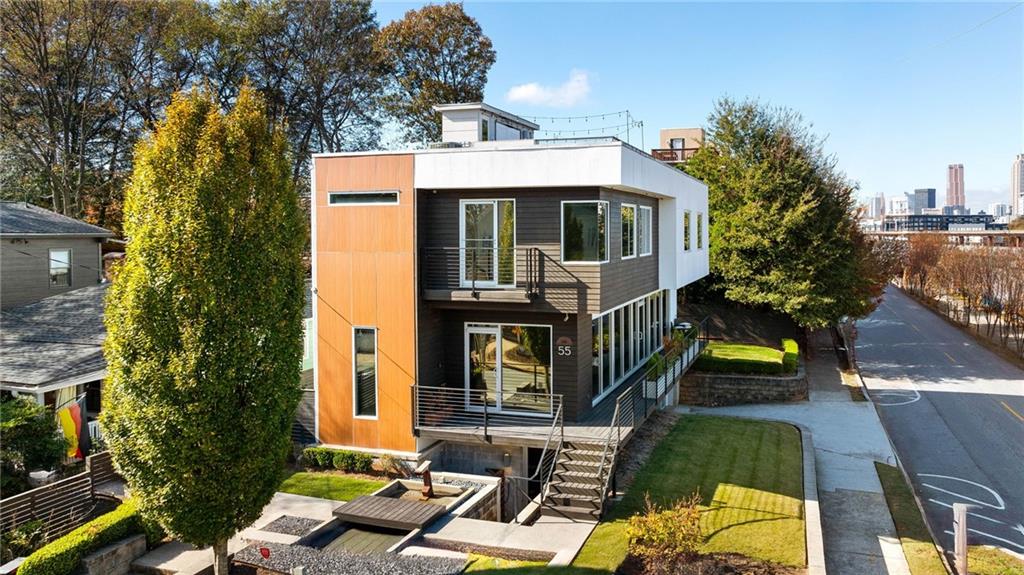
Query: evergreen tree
782, 225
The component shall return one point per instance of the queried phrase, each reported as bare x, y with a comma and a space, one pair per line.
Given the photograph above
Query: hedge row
63, 556
324, 457
790, 355
709, 362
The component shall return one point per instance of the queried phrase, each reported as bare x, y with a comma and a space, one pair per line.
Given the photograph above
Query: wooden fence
62, 505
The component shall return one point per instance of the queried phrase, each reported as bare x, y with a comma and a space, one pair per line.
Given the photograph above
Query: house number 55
565, 350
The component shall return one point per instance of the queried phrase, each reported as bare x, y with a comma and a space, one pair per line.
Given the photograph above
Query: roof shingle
20, 218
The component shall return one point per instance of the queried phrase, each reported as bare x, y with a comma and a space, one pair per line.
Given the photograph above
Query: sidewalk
860, 538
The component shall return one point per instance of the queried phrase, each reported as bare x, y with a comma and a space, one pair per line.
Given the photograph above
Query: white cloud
566, 95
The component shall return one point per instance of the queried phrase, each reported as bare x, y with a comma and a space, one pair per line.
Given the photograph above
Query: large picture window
364, 359
584, 232
60, 267
686, 231
644, 231
628, 231
624, 338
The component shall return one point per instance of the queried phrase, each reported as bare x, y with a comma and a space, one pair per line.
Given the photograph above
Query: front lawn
478, 563
729, 357
328, 485
749, 474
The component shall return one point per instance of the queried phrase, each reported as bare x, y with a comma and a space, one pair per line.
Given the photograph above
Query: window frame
367, 193
700, 230
633, 235
687, 243
376, 375
496, 202
648, 232
561, 233
49, 267
630, 354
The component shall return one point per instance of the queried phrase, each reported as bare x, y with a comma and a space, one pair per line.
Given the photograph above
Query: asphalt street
955, 413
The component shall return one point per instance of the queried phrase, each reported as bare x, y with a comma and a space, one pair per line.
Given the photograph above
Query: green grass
922, 555
479, 563
329, 485
749, 474
988, 561
729, 357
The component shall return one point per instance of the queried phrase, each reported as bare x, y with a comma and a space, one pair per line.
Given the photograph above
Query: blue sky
901, 90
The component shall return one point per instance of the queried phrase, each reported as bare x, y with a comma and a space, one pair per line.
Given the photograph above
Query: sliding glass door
487, 234
510, 365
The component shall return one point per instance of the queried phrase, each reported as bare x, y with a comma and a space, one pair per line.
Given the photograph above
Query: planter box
115, 559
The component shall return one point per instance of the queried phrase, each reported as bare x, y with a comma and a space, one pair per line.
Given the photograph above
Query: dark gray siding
625, 280
564, 288
450, 368
25, 269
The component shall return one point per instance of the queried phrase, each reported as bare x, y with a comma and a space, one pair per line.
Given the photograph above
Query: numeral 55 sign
563, 346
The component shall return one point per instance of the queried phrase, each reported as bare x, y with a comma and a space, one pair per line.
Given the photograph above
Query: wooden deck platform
389, 512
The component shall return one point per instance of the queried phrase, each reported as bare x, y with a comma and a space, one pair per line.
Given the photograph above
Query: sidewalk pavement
860, 538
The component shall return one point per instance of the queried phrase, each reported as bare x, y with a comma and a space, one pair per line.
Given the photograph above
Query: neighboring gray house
43, 253
52, 348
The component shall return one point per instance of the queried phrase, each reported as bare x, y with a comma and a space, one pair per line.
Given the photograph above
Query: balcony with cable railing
499, 274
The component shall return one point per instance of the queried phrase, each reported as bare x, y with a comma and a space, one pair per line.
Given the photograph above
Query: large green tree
438, 54
204, 322
782, 225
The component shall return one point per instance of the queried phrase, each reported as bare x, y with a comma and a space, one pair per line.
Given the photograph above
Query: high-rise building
920, 200
1017, 186
998, 209
955, 185
899, 206
876, 207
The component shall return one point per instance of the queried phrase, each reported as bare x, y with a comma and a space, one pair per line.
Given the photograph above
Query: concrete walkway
860, 538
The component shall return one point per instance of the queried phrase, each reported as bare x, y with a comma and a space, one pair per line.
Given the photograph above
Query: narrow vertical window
595, 376
644, 231
60, 267
364, 347
628, 231
700, 230
484, 125
686, 231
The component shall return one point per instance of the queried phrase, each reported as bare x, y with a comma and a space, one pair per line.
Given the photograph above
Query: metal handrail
450, 407
477, 268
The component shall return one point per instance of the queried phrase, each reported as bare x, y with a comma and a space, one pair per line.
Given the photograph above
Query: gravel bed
642, 444
291, 525
462, 483
284, 557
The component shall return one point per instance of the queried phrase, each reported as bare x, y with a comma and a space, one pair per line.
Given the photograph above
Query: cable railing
482, 410
545, 465
636, 403
481, 267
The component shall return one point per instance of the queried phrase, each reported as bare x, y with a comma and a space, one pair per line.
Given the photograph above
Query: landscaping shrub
790, 355
663, 538
325, 458
63, 556
708, 362
22, 540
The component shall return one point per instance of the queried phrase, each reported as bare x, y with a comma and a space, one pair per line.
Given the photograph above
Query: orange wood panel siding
366, 277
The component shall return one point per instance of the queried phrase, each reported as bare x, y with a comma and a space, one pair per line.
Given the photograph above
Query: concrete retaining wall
711, 389
115, 559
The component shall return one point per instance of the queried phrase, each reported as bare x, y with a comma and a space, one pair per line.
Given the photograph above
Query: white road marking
908, 396
978, 515
1000, 505
1018, 527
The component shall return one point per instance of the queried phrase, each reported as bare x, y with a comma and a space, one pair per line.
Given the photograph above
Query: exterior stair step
590, 501
591, 476
570, 488
571, 512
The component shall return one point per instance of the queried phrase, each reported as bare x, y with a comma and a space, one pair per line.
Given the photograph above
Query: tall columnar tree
438, 55
782, 226
204, 322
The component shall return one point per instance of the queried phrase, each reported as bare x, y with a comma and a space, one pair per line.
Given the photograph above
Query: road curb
903, 472
813, 536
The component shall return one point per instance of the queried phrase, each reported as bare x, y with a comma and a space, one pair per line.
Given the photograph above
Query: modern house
677, 145
486, 302
43, 253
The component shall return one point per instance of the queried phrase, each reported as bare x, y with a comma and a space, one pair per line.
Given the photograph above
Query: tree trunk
220, 557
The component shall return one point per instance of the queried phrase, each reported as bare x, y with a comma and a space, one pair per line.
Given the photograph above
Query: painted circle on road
895, 397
